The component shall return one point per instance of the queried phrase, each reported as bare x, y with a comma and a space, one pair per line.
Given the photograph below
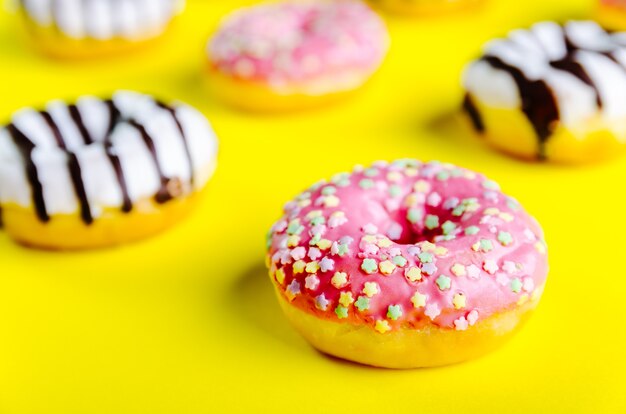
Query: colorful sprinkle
362, 303
339, 280
341, 312
458, 300
382, 326
443, 282
413, 274
369, 266
386, 267
370, 289
418, 300
394, 312
346, 299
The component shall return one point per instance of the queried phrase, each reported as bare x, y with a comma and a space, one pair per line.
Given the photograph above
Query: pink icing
299, 41
358, 248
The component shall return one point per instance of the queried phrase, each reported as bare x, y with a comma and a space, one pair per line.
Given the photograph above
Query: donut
553, 92
93, 28
612, 14
406, 264
292, 55
426, 7
101, 171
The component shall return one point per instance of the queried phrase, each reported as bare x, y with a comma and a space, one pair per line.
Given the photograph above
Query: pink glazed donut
407, 264
289, 55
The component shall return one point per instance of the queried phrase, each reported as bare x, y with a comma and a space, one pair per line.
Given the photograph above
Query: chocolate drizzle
26, 147
172, 111
169, 188
538, 102
472, 111
114, 116
163, 195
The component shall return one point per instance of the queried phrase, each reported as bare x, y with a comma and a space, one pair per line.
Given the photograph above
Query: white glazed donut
88, 27
97, 163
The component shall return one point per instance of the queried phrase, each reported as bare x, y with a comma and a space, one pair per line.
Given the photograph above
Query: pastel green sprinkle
457, 172
443, 282
342, 249
414, 215
318, 220
329, 190
371, 172
341, 312
505, 238
448, 227
369, 266
399, 261
343, 182
486, 245
366, 183
394, 312
490, 185
471, 230
395, 190
516, 285
443, 175
458, 210
295, 228
431, 222
425, 257
315, 239
362, 303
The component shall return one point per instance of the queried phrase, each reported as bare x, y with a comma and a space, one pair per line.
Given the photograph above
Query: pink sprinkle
490, 266
395, 231
321, 302
370, 229
432, 311
509, 267
472, 317
298, 253
314, 253
473, 272
433, 200
327, 264
320, 230
461, 324
311, 282
337, 221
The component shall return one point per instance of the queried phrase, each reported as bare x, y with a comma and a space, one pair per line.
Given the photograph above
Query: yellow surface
187, 322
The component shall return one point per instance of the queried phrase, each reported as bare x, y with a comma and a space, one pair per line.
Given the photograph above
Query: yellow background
187, 323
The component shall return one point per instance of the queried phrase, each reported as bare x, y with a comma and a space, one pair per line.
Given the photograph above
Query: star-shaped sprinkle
491, 211
448, 227
485, 245
386, 267
311, 282
293, 290
431, 222
369, 266
298, 267
413, 215
472, 317
366, 183
418, 300
321, 302
505, 238
490, 266
443, 282
324, 244
328, 190
341, 312
516, 285
384, 242
473, 271
460, 324
421, 186
331, 201
339, 279
471, 230
394, 312
432, 311
293, 241
312, 267
327, 264
459, 300
295, 228
346, 299
362, 303
370, 289
382, 326
399, 261
458, 269
279, 275
425, 257
413, 274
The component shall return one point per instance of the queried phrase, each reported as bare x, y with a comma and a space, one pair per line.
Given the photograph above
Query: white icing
104, 19
532, 51
98, 175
